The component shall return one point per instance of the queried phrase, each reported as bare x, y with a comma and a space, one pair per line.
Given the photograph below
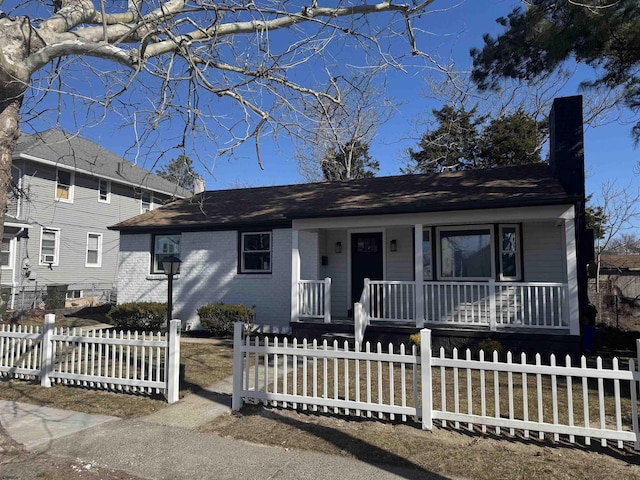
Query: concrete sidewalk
167, 444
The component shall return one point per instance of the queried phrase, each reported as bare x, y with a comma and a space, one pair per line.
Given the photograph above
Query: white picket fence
116, 361
591, 402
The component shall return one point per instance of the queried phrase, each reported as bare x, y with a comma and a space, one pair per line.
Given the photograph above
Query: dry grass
451, 453
204, 364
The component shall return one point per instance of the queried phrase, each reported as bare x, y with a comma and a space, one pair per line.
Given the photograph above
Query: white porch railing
496, 304
314, 299
392, 301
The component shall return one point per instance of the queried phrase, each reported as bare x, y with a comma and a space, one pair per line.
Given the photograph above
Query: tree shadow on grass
356, 447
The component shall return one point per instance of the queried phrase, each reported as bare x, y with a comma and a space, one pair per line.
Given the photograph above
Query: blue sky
610, 155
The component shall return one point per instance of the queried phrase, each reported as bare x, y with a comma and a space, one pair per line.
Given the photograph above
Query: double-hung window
104, 191
64, 186
427, 261
146, 202
164, 246
94, 250
255, 252
49, 246
5, 253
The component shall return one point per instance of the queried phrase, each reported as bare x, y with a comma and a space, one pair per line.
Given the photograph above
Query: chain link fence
59, 296
617, 307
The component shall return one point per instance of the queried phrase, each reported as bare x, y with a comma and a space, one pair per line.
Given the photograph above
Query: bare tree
340, 129
180, 67
620, 211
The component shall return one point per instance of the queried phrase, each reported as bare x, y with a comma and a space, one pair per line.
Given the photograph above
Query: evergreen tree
349, 161
179, 171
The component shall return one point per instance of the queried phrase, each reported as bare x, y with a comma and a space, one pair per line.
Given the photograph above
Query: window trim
71, 298
458, 228
518, 252
56, 255
10, 265
152, 269
99, 262
71, 185
108, 190
241, 268
428, 231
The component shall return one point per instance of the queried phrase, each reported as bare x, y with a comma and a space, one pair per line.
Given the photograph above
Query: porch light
338, 247
393, 245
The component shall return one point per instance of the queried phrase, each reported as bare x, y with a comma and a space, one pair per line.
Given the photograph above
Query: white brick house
500, 250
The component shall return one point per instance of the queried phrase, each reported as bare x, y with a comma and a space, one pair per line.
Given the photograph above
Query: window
49, 246
427, 269
510, 252
104, 191
465, 254
255, 254
164, 246
146, 202
64, 186
74, 294
5, 253
94, 250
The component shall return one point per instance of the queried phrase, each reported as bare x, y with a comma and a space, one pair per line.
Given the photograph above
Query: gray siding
400, 263
74, 221
544, 254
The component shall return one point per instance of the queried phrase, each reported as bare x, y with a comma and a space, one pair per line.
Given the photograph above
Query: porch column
419, 275
572, 277
295, 274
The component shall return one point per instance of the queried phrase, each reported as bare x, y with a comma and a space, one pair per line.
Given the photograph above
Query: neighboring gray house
66, 191
499, 252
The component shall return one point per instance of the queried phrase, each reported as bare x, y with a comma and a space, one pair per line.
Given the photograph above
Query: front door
366, 261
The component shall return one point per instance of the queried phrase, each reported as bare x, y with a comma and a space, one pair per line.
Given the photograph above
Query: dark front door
366, 261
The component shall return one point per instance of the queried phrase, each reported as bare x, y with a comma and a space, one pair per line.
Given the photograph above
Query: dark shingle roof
81, 154
530, 185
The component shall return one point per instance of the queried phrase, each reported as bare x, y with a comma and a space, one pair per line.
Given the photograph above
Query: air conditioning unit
48, 258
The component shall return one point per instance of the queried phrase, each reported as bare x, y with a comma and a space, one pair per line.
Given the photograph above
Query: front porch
479, 271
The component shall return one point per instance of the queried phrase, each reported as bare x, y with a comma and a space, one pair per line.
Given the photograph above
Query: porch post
295, 274
327, 300
418, 275
572, 277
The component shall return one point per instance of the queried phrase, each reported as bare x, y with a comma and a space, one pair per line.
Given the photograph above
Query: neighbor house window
64, 185
104, 191
74, 294
255, 254
427, 264
5, 253
146, 202
94, 250
49, 246
465, 253
164, 246
510, 264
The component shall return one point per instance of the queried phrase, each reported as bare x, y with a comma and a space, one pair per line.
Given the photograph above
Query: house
65, 191
478, 252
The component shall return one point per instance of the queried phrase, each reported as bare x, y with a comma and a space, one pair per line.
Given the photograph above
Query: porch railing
496, 304
314, 299
392, 301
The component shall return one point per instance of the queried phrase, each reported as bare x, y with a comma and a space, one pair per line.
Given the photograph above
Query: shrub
414, 339
489, 346
150, 316
219, 318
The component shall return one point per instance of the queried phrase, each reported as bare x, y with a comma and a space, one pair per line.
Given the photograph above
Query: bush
219, 318
489, 346
150, 316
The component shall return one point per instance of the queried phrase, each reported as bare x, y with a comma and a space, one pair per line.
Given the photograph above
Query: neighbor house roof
620, 262
60, 148
530, 185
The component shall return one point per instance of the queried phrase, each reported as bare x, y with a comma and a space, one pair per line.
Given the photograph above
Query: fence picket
390, 399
